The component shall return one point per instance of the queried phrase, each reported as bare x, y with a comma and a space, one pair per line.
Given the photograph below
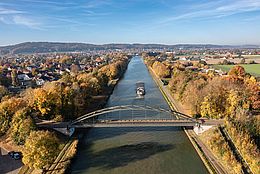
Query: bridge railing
92, 116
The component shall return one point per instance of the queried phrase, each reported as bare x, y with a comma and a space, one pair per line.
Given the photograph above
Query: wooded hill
47, 47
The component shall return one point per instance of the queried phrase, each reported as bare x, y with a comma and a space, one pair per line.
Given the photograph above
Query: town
21, 71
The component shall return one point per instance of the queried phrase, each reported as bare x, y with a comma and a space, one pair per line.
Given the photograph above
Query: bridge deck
137, 123
64, 126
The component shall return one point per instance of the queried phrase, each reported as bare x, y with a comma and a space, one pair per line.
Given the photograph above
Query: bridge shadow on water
122, 155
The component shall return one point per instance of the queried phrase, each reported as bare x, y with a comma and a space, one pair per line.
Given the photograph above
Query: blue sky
130, 21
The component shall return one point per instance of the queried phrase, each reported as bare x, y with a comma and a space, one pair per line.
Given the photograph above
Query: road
7, 164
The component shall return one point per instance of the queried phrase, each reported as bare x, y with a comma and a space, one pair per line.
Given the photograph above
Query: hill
46, 47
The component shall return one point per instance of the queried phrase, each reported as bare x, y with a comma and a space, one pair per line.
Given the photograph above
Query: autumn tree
105, 70
243, 133
179, 82
237, 71
113, 71
215, 100
34, 71
40, 149
194, 95
4, 81
253, 90
65, 60
45, 102
3, 91
7, 110
222, 150
149, 61
22, 125
102, 79
161, 69
14, 77
74, 69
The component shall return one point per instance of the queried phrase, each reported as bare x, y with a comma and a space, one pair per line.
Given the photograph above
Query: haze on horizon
232, 22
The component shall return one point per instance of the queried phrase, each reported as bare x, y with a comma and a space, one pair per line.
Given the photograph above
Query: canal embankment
206, 156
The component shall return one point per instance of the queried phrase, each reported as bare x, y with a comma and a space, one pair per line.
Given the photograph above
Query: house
39, 82
25, 80
23, 77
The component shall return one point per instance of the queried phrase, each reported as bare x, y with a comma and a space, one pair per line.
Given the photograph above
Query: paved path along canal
137, 150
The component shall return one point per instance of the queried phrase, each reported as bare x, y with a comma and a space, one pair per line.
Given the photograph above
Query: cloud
93, 13
240, 5
96, 3
6, 11
11, 16
53, 13
21, 20
49, 2
216, 10
2, 19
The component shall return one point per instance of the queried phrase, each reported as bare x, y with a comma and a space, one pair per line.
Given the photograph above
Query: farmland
253, 69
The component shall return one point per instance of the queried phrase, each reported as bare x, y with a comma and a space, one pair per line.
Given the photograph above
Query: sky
232, 22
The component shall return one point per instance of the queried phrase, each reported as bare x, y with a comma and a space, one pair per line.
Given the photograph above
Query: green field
253, 69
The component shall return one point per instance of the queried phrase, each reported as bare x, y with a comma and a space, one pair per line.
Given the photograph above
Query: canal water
137, 150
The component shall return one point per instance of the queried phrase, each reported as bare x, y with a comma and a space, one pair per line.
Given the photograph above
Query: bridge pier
199, 129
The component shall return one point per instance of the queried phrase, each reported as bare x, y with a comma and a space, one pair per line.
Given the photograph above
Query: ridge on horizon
122, 43
47, 47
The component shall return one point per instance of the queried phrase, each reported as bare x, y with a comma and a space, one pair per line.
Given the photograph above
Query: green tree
40, 149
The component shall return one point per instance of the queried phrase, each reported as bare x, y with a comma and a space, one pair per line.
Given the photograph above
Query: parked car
11, 154
15, 155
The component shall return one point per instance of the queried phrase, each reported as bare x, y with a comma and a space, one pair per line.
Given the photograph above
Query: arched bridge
102, 117
129, 116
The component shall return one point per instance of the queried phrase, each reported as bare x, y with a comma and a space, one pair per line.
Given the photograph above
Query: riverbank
63, 162
206, 156
100, 101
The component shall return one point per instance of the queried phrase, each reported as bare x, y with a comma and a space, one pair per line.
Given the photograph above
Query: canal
143, 150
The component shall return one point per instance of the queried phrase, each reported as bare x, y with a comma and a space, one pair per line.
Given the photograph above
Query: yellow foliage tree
46, 102
213, 105
160, 69
22, 125
7, 110
233, 102
40, 149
